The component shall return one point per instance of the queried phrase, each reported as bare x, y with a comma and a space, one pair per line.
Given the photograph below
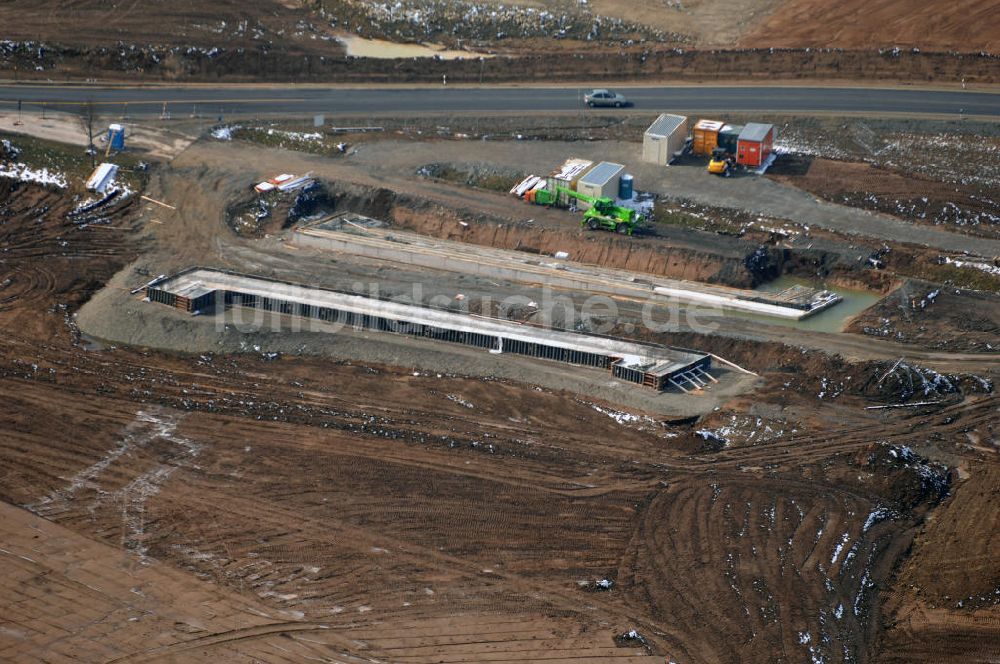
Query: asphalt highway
292, 100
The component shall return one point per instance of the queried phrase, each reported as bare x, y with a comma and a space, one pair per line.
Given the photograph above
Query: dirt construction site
258, 483
498, 386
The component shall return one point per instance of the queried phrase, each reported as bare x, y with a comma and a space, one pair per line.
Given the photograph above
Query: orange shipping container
706, 136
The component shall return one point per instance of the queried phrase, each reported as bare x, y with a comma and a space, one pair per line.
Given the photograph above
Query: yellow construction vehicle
721, 163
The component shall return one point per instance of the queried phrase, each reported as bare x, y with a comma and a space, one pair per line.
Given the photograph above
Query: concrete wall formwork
650, 365
412, 249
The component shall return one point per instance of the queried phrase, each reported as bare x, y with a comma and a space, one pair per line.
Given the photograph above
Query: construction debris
160, 203
284, 182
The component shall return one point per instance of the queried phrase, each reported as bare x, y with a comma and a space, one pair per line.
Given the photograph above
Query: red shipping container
755, 144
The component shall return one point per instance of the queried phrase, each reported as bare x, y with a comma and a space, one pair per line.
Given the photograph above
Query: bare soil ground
153, 142
71, 598
929, 173
710, 23
968, 208
959, 26
935, 317
963, 25
229, 23
309, 509
942, 607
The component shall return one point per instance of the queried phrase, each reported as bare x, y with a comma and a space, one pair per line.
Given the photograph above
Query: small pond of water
831, 320
360, 47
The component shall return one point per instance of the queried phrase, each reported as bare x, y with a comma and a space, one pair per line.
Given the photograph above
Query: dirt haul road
393, 165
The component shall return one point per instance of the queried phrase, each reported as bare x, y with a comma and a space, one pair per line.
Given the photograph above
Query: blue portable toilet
625, 187
116, 137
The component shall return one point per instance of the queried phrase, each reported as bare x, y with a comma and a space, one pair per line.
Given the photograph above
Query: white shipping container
600, 182
664, 139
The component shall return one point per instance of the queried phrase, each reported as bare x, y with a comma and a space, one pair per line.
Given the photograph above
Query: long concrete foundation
360, 236
206, 291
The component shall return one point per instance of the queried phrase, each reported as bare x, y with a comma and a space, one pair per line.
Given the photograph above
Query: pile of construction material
284, 182
603, 191
278, 203
602, 180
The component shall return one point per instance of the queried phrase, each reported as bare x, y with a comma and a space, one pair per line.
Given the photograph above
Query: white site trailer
664, 139
600, 181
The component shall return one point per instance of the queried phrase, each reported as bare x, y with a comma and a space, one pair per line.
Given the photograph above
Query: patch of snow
767, 164
985, 267
877, 514
9, 149
296, 135
124, 191
460, 401
706, 434
24, 173
224, 133
621, 417
83, 205
839, 548
866, 583
641, 202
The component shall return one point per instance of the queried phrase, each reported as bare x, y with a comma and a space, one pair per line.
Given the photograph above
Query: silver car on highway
602, 97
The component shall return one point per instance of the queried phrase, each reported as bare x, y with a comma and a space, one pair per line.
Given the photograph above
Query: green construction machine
602, 214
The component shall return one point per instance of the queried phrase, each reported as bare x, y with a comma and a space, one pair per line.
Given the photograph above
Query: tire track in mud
792, 450
557, 483
276, 522
786, 451
229, 637
738, 569
21, 285
44, 257
250, 515
137, 478
342, 553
